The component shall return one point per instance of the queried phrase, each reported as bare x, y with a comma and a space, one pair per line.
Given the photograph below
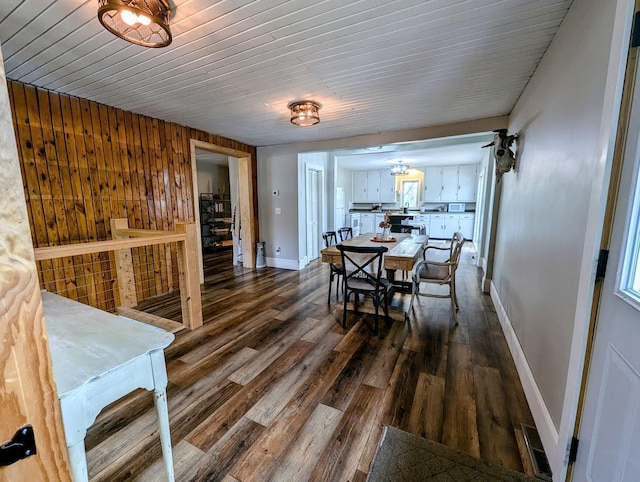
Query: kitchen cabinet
374, 187
467, 183
387, 187
360, 187
366, 223
465, 225
450, 183
432, 184
423, 219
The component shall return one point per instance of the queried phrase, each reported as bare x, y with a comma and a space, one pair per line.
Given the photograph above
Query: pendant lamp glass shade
399, 169
142, 22
305, 113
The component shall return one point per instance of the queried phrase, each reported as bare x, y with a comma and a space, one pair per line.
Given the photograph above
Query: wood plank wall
84, 163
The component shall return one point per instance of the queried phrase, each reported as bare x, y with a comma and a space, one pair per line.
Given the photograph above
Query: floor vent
541, 467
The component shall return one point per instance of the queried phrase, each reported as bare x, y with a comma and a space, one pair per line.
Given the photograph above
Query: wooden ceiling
234, 65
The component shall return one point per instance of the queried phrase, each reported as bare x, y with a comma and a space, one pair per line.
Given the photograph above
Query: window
410, 193
629, 282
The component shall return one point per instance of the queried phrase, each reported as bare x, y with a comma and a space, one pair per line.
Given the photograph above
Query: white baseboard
283, 263
544, 423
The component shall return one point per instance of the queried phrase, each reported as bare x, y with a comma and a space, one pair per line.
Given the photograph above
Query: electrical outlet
278, 250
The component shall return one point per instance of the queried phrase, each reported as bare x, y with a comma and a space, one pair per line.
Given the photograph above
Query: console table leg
78, 462
163, 429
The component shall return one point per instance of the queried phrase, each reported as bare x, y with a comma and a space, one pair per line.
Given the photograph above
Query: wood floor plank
185, 456
299, 460
426, 416
495, 431
460, 429
261, 458
384, 363
278, 345
212, 428
269, 406
339, 461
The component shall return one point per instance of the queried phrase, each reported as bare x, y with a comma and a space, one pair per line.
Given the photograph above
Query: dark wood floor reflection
272, 388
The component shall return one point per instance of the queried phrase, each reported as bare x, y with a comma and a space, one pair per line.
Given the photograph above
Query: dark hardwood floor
272, 387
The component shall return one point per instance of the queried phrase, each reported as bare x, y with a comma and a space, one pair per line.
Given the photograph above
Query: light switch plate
278, 211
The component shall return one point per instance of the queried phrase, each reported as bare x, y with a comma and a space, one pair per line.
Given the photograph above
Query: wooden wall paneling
161, 204
48, 232
77, 196
87, 198
149, 198
101, 265
165, 198
176, 135
23, 174
168, 181
57, 223
69, 219
132, 133
190, 204
108, 263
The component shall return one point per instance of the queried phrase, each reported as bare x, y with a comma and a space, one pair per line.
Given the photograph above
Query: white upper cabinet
387, 187
450, 183
467, 182
374, 187
432, 183
360, 186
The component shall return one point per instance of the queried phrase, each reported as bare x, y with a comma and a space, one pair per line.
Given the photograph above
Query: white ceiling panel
234, 65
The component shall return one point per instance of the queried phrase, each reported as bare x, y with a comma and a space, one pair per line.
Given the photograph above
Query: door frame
321, 205
246, 192
624, 19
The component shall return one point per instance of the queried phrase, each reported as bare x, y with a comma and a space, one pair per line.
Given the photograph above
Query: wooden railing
122, 261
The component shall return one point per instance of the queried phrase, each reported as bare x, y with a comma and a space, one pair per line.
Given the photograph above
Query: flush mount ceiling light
400, 169
142, 22
305, 113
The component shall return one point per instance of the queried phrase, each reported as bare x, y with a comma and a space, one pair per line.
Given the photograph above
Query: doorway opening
226, 179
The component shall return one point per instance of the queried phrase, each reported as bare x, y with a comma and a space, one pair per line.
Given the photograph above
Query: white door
610, 431
313, 214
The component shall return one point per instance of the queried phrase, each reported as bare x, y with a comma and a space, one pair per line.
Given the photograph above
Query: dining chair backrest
362, 263
329, 238
345, 233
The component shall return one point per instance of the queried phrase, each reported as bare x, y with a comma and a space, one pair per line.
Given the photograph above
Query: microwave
456, 207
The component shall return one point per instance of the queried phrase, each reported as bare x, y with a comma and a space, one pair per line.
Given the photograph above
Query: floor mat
403, 457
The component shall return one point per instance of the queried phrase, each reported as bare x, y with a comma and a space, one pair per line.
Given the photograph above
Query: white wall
213, 178
544, 208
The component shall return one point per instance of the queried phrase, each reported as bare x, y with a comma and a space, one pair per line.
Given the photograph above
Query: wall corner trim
544, 423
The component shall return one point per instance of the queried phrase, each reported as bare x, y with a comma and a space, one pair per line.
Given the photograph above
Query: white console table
98, 358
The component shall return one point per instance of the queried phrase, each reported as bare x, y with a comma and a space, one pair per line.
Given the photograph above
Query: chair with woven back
363, 276
439, 272
335, 270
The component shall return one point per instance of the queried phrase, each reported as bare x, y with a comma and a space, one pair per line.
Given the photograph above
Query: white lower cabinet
443, 226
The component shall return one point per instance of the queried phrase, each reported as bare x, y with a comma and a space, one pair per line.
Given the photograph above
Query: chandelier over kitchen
400, 169
142, 22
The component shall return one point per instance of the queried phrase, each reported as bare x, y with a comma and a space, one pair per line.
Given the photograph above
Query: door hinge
602, 264
21, 445
573, 449
635, 33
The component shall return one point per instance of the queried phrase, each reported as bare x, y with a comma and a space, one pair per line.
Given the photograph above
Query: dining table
404, 251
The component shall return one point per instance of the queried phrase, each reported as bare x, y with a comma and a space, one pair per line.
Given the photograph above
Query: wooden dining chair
335, 270
345, 233
440, 273
363, 276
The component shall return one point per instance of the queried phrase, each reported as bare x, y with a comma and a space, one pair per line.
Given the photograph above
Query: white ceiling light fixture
305, 113
142, 22
400, 169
